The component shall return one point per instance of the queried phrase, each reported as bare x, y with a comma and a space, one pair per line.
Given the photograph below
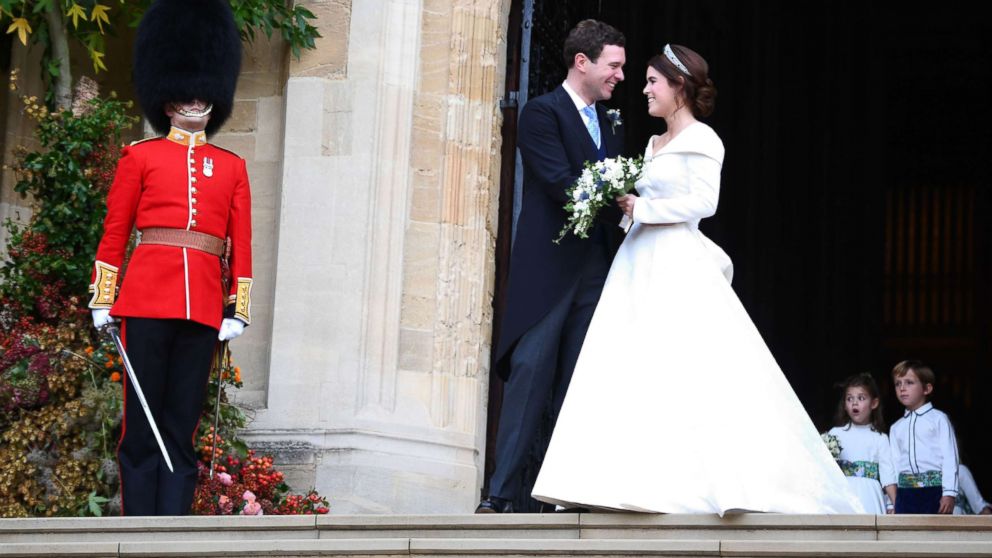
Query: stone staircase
560, 535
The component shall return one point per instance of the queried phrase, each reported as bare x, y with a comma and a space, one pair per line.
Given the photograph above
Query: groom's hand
626, 204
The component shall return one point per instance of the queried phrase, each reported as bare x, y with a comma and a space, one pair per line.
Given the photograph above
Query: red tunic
177, 182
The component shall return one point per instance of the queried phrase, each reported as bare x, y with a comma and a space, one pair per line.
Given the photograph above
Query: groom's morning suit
553, 288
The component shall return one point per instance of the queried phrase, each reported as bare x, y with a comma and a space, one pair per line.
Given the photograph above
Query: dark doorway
855, 186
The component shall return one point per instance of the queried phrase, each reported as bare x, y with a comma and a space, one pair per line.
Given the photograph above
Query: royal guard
190, 203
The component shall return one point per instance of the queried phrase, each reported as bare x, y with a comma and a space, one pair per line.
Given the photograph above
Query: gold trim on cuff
242, 302
104, 287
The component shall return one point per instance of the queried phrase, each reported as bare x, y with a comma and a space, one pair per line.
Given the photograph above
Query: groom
553, 288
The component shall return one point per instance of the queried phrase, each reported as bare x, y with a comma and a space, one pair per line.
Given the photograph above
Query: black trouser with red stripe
171, 359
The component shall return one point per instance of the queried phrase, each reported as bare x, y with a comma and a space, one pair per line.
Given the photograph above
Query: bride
676, 404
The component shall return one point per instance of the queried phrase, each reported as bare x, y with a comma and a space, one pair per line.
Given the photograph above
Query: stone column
383, 285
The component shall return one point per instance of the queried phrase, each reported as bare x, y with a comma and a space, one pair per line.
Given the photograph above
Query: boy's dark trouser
171, 359
918, 500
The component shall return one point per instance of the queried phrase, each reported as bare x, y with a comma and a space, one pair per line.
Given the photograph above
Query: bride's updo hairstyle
684, 67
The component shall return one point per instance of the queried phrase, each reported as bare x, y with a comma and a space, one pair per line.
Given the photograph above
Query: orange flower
115, 377
237, 374
109, 364
89, 350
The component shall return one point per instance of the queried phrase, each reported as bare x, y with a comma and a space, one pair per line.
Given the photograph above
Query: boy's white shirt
923, 440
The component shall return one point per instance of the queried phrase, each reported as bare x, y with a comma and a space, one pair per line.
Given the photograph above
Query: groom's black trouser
171, 359
541, 367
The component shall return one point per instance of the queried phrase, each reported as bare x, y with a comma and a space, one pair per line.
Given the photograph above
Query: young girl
865, 455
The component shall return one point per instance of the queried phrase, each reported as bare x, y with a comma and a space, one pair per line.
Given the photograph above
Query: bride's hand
626, 203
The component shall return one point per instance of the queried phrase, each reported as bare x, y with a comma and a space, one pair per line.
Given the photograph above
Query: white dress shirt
579, 103
922, 441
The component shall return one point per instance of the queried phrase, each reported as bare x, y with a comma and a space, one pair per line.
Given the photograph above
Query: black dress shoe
493, 504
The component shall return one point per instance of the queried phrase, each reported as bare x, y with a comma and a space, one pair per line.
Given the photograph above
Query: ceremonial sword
115, 334
219, 367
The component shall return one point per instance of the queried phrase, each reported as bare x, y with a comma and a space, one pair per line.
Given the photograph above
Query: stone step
516, 526
612, 535
501, 548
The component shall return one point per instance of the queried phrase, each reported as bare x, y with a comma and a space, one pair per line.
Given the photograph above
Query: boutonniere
615, 120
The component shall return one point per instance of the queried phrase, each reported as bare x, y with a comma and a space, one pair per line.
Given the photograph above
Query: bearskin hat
186, 50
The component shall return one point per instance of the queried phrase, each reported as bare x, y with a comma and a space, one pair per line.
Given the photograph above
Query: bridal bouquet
596, 187
833, 444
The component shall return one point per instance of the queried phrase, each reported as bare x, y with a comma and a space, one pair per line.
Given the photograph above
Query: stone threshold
619, 534
502, 548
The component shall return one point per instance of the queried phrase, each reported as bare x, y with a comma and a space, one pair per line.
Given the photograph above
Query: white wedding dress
676, 404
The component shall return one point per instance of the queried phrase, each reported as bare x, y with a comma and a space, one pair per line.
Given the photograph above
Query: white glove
101, 317
230, 328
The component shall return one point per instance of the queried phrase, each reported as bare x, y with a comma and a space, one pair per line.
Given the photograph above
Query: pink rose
251, 507
225, 479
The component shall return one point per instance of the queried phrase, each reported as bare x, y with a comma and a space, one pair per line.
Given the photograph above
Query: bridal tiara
675, 60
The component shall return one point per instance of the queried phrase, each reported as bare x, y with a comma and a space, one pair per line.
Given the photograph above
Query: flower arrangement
243, 482
597, 186
833, 445
246, 486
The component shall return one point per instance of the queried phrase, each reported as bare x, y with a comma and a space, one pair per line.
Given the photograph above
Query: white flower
833, 444
599, 182
615, 120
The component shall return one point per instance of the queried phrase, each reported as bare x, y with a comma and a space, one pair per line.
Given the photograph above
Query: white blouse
862, 444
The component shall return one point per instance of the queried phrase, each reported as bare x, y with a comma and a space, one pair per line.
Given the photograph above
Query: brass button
192, 179
193, 189
193, 223
193, 200
194, 211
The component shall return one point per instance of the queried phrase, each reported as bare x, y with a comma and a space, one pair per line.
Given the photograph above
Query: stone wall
380, 336
255, 132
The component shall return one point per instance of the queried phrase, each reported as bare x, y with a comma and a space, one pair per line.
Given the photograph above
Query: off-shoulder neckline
652, 153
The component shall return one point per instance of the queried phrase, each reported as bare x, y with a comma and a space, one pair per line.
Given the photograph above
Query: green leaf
240, 448
95, 504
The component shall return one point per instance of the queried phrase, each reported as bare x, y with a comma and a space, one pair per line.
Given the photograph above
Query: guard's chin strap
193, 113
